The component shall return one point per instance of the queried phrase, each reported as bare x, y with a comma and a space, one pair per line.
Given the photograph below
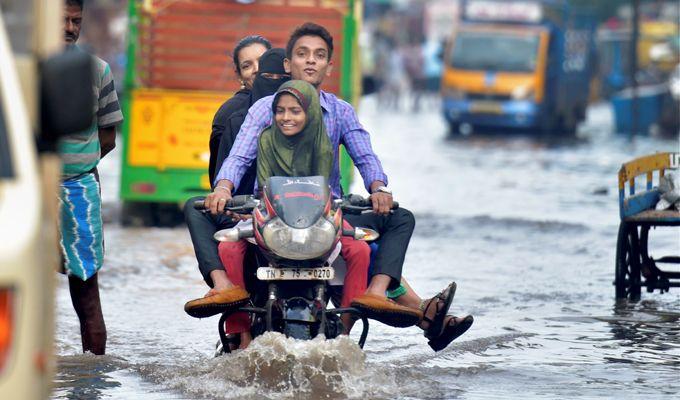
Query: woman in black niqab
271, 75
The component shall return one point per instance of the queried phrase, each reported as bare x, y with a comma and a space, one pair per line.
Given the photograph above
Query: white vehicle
34, 107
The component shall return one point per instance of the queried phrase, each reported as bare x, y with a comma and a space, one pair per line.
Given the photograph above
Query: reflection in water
84, 377
648, 330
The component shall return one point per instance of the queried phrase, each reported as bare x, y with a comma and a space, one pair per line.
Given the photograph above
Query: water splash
274, 366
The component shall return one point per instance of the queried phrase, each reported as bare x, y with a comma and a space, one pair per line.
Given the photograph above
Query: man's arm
107, 140
242, 154
109, 114
358, 144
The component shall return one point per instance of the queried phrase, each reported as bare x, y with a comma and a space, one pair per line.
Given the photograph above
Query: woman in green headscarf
297, 143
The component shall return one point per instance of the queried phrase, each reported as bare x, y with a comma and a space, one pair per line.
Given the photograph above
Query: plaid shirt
342, 127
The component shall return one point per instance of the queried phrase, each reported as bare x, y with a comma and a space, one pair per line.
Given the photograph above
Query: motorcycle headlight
299, 244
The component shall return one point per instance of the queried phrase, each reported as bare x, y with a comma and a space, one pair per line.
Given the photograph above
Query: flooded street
526, 228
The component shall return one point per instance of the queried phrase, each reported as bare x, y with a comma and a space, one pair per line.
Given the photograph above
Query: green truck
178, 74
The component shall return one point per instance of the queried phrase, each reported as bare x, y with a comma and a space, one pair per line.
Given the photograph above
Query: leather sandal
451, 332
436, 324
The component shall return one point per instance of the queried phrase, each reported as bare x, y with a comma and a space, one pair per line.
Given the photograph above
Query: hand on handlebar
215, 201
382, 202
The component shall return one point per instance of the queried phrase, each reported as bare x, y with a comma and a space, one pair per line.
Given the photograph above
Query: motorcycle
296, 227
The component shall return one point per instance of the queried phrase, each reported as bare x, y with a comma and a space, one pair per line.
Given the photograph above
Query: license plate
486, 107
295, 274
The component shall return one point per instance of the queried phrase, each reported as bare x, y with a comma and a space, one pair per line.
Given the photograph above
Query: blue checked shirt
342, 127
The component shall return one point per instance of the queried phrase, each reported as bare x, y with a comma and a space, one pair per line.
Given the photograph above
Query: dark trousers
395, 232
202, 227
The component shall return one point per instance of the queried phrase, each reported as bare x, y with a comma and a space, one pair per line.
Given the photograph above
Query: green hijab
309, 153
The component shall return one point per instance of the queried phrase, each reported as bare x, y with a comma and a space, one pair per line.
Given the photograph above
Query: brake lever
354, 210
244, 209
358, 210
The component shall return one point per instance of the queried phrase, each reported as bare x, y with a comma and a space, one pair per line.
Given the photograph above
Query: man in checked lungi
80, 195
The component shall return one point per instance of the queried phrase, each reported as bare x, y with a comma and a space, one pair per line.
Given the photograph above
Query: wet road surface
526, 228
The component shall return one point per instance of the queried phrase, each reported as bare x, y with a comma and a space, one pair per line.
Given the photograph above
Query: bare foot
378, 285
430, 314
435, 311
456, 320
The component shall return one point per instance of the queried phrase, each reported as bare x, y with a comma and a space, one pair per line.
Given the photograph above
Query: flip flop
225, 300
451, 332
436, 324
386, 311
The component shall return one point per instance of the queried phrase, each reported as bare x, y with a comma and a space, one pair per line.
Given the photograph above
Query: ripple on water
85, 376
435, 225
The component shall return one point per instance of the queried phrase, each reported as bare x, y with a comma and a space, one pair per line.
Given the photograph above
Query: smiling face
309, 60
289, 115
73, 18
248, 58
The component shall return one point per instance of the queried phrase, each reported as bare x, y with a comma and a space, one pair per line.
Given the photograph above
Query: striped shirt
342, 126
80, 152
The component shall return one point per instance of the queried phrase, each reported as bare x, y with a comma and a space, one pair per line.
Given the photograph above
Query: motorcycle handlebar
244, 204
233, 204
360, 201
355, 204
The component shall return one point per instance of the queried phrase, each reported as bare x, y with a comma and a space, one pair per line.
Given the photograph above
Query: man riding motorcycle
309, 53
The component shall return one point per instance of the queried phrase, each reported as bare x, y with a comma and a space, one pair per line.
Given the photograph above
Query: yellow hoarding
171, 129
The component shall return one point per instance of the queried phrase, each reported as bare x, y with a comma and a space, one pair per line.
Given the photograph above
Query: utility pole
635, 117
